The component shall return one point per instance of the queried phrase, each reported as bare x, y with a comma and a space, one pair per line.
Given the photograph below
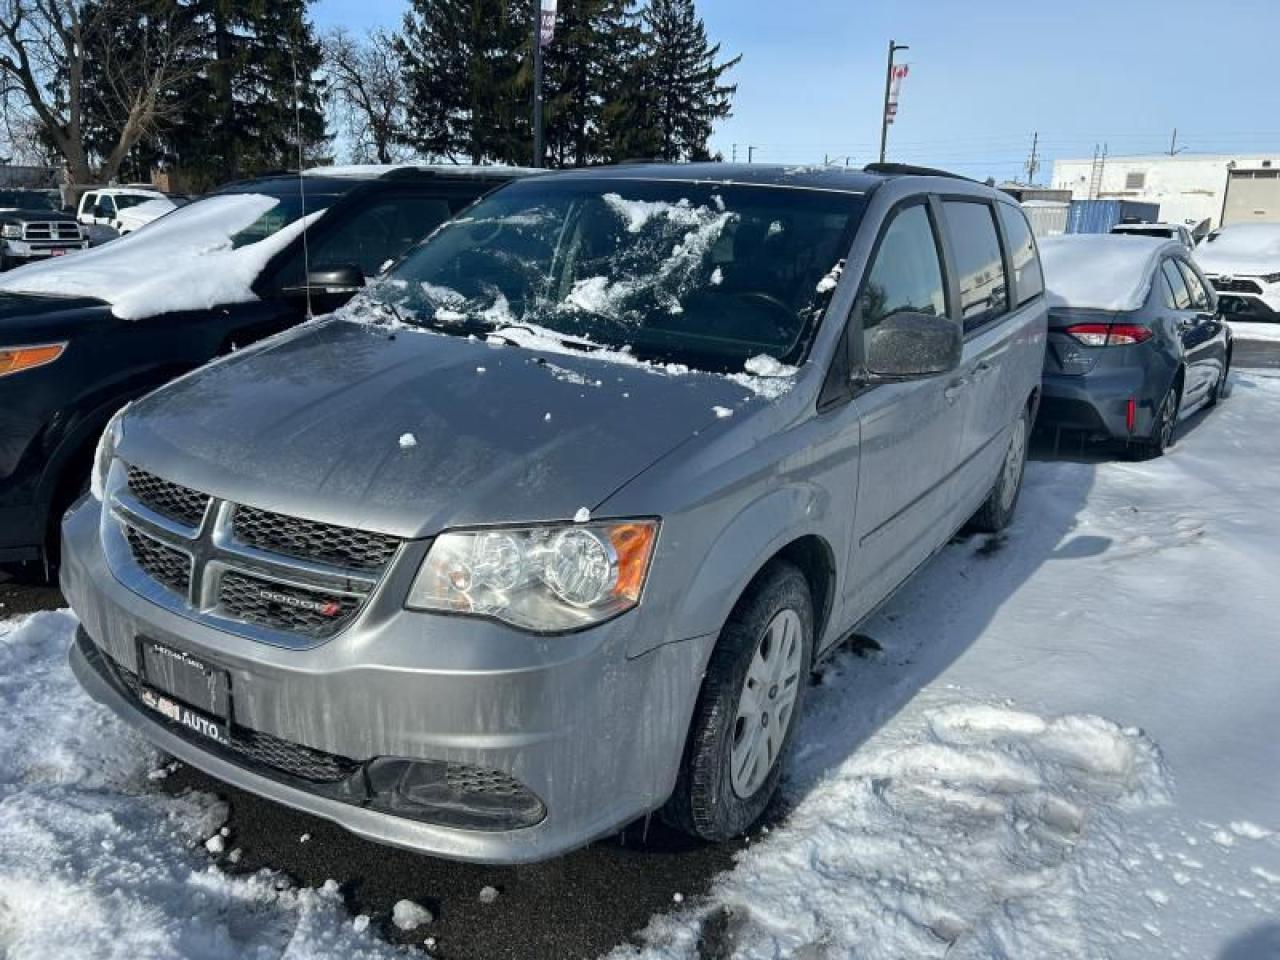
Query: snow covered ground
1249, 330
1065, 747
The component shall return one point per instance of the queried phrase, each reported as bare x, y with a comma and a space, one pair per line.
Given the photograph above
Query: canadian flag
896, 77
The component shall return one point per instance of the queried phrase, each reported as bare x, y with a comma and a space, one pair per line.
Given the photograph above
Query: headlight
545, 579
105, 453
11, 231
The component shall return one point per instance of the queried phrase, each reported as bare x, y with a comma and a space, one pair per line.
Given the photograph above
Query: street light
888, 81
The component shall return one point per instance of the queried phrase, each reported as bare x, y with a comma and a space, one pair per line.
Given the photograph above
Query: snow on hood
185, 262
1250, 249
1101, 271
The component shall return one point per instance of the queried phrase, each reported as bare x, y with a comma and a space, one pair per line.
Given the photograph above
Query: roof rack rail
907, 169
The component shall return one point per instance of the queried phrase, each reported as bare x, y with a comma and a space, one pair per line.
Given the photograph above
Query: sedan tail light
1109, 334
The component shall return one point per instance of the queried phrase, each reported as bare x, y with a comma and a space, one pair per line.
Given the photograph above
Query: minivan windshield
699, 273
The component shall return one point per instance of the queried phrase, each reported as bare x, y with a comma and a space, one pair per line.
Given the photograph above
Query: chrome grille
313, 541
57, 230
266, 576
168, 499
161, 563
313, 613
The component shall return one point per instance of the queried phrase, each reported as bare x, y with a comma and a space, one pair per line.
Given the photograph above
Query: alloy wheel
1014, 461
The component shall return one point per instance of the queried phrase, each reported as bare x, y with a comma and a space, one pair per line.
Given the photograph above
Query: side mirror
336, 278
912, 346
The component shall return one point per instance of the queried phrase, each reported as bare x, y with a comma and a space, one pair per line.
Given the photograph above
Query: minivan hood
411, 432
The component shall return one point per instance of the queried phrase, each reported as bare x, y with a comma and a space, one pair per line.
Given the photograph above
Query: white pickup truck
111, 206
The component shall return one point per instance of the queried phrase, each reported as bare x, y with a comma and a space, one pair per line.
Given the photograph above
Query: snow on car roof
374, 170
1101, 271
1246, 248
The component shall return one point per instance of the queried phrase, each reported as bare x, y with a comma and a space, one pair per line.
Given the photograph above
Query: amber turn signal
17, 359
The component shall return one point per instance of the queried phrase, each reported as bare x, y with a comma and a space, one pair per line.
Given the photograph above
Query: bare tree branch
367, 90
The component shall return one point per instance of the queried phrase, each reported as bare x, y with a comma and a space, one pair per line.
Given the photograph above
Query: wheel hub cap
765, 703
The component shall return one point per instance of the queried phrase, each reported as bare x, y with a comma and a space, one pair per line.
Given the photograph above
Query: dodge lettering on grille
326, 608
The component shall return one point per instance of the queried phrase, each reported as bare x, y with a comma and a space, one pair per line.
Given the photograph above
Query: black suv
69, 360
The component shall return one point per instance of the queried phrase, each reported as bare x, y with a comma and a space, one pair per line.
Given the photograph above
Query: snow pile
407, 915
1100, 271
94, 865
1250, 249
956, 835
1250, 330
182, 262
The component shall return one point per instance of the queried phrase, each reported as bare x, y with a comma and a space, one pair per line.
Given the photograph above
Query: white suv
1242, 261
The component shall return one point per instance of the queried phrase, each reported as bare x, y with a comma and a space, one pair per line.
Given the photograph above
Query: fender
745, 544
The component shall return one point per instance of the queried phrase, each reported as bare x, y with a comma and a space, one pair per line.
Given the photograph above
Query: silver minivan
545, 530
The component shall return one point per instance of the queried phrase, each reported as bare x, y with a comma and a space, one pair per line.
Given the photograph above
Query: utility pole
751, 153
1173, 143
888, 81
735, 153
1033, 163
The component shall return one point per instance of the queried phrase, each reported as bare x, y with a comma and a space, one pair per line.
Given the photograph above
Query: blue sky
985, 74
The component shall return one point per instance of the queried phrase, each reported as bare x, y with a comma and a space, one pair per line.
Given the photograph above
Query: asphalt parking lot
580, 905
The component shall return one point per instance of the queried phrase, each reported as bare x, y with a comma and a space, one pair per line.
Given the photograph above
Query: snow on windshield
1100, 271
677, 276
186, 261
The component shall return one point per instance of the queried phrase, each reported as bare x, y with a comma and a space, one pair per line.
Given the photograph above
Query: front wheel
994, 515
746, 714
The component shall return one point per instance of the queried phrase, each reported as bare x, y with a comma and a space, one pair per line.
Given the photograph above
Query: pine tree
585, 73
675, 92
240, 119
467, 69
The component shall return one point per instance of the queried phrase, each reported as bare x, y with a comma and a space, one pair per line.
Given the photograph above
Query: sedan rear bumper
1097, 402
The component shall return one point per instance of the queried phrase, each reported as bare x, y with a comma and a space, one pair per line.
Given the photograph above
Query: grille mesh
491, 783
168, 499
312, 540
162, 564
240, 596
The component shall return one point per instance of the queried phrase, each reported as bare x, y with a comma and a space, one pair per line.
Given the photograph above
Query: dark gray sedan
1136, 340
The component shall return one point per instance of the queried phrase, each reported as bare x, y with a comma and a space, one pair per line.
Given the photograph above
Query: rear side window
1028, 280
1179, 297
89, 202
1199, 295
906, 276
971, 228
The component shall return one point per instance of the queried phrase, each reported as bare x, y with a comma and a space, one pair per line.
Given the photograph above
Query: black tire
1164, 430
1220, 391
706, 803
996, 512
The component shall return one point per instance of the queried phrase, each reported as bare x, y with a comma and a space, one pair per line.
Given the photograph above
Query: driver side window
906, 275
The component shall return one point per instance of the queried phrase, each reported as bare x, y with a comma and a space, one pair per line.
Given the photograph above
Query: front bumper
42, 249
597, 737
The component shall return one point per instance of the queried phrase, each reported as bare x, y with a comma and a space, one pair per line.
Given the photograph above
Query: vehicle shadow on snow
940, 613
583, 904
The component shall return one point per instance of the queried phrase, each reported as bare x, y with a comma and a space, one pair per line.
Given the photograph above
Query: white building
1190, 188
